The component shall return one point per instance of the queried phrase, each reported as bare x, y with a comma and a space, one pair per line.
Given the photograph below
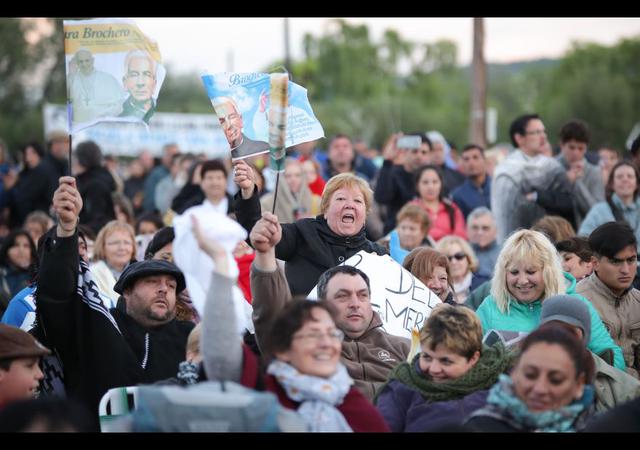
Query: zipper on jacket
146, 351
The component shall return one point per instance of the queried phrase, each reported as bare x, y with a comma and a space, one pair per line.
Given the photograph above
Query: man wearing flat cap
139, 341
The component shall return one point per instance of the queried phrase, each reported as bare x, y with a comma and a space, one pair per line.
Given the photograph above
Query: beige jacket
368, 359
621, 316
613, 386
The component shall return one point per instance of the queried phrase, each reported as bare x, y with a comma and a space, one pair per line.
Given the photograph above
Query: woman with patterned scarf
549, 389
448, 380
302, 347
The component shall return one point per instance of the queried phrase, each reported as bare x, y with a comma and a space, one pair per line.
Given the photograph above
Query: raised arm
247, 204
57, 305
269, 287
221, 345
59, 266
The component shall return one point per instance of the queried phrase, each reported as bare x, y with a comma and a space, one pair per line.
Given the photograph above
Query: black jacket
32, 192
395, 188
452, 179
54, 168
98, 350
96, 186
308, 246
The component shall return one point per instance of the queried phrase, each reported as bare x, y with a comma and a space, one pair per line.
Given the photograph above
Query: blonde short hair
456, 328
447, 241
193, 341
99, 250
348, 180
532, 247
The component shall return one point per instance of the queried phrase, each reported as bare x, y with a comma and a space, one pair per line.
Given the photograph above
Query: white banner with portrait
402, 300
242, 103
193, 133
114, 72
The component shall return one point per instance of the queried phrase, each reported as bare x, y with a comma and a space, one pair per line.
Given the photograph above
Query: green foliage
600, 85
183, 94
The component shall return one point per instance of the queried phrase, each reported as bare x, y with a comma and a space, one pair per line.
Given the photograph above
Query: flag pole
69, 121
279, 99
275, 195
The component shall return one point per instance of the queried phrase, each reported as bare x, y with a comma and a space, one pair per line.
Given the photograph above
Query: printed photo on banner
114, 72
242, 103
402, 301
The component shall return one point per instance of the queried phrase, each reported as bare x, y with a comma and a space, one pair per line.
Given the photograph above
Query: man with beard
139, 341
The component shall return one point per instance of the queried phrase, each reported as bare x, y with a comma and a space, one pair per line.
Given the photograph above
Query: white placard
402, 300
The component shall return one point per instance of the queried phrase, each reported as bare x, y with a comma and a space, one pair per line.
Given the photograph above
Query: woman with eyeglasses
463, 265
301, 348
448, 380
446, 217
528, 271
115, 249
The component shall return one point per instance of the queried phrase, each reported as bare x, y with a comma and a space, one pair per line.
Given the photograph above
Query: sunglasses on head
459, 256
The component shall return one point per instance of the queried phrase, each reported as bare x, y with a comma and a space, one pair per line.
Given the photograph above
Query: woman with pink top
446, 217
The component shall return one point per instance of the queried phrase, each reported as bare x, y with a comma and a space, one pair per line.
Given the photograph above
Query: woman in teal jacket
528, 271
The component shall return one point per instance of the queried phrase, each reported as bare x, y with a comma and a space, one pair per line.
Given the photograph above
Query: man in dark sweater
139, 341
396, 185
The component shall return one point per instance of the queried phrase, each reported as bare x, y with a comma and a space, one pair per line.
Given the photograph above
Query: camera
409, 142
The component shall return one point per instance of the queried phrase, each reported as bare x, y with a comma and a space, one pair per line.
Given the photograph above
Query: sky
250, 44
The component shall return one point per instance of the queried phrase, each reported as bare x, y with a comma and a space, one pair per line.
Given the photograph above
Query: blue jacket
601, 213
19, 306
526, 317
405, 410
157, 174
468, 197
487, 258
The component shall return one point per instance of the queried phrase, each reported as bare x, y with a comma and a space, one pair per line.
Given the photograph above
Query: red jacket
440, 223
317, 187
244, 267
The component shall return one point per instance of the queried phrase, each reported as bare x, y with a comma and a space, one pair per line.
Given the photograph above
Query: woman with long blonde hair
528, 271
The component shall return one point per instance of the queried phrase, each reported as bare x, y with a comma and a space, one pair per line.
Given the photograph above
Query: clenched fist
67, 203
266, 233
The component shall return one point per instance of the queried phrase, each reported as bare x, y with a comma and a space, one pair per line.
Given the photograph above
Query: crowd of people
538, 326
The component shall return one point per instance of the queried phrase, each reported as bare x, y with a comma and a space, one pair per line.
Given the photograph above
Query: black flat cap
147, 268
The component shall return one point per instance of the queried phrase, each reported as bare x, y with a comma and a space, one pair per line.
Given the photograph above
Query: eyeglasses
536, 132
317, 336
459, 256
480, 227
117, 243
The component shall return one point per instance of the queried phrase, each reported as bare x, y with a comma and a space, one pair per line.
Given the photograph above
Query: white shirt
222, 207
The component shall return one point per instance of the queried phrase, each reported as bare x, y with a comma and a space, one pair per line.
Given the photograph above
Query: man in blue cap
139, 341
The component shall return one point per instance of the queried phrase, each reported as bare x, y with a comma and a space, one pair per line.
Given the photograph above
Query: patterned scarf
504, 404
494, 361
319, 396
188, 372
